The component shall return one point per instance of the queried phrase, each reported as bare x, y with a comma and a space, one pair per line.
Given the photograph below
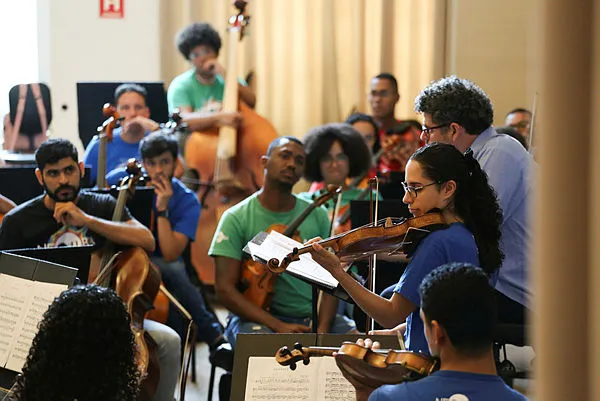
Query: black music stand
139, 205
77, 257
91, 96
28, 186
248, 345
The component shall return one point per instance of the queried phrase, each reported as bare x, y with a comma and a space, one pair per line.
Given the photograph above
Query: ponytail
474, 200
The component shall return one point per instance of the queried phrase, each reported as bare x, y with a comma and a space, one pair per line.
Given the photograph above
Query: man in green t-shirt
198, 92
274, 203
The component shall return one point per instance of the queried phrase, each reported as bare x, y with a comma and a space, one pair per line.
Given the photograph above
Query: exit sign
111, 8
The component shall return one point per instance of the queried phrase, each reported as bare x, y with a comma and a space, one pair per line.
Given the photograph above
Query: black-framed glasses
414, 191
427, 130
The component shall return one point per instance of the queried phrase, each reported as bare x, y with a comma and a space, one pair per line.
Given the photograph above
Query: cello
105, 135
228, 158
137, 282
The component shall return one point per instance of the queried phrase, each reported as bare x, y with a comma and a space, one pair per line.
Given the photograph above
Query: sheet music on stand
276, 245
27, 287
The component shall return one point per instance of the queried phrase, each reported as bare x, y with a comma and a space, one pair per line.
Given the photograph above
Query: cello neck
101, 175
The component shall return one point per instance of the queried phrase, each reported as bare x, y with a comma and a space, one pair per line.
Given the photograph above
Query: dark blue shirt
447, 385
453, 244
184, 212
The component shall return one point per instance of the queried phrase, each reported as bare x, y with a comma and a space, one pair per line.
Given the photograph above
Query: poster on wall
111, 8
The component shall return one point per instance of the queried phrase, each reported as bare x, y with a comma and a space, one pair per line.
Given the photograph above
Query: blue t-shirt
447, 385
117, 153
453, 244
184, 212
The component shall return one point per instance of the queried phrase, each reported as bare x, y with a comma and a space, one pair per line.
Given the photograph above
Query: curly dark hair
197, 34
455, 100
356, 117
460, 298
318, 141
53, 150
474, 201
84, 350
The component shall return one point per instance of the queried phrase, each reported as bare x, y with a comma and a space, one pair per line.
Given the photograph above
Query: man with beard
290, 308
176, 212
130, 100
64, 216
198, 92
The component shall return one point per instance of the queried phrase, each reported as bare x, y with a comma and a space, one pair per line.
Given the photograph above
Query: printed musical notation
319, 380
22, 306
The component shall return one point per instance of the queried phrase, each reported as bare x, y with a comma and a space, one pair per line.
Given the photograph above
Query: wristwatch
162, 213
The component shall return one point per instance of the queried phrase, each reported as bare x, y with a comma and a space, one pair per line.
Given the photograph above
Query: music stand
28, 186
91, 96
139, 205
77, 257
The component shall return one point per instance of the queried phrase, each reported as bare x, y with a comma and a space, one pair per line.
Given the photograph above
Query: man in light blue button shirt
458, 112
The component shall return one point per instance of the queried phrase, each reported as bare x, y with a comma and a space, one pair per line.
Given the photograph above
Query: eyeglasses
340, 158
426, 130
414, 191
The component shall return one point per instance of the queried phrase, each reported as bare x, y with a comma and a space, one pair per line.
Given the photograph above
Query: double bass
228, 158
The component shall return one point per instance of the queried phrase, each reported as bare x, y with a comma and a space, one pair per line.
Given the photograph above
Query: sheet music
277, 245
30, 299
319, 380
13, 298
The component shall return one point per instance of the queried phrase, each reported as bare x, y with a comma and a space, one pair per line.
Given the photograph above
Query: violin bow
373, 183
533, 109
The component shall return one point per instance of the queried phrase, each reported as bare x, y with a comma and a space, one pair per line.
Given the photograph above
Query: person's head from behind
458, 309
515, 134
335, 152
284, 162
58, 169
438, 176
130, 100
84, 350
368, 128
519, 119
454, 110
199, 43
159, 154
383, 95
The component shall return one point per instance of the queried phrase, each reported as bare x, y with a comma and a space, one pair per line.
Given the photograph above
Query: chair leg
211, 381
194, 362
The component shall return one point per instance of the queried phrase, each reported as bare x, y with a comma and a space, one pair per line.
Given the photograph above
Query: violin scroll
290, 357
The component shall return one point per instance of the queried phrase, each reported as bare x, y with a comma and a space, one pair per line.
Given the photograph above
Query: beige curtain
313, 59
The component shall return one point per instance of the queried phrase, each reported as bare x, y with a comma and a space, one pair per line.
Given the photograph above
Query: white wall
18, 46
77, 45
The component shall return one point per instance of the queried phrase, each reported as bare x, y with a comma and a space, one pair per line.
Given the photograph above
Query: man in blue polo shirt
458, 112
458, 309
130, 100
176, 213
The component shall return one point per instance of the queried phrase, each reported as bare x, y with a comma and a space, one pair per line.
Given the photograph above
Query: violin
372, 368
257, 283
386, 235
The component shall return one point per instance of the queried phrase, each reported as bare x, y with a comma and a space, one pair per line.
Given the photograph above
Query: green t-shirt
185, 90
348, 195
243, 221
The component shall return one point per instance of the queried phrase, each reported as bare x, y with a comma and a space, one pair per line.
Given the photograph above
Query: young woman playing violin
438, 177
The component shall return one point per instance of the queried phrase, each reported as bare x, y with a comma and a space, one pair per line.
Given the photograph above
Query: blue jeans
168, 351
235, 325
178, 283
